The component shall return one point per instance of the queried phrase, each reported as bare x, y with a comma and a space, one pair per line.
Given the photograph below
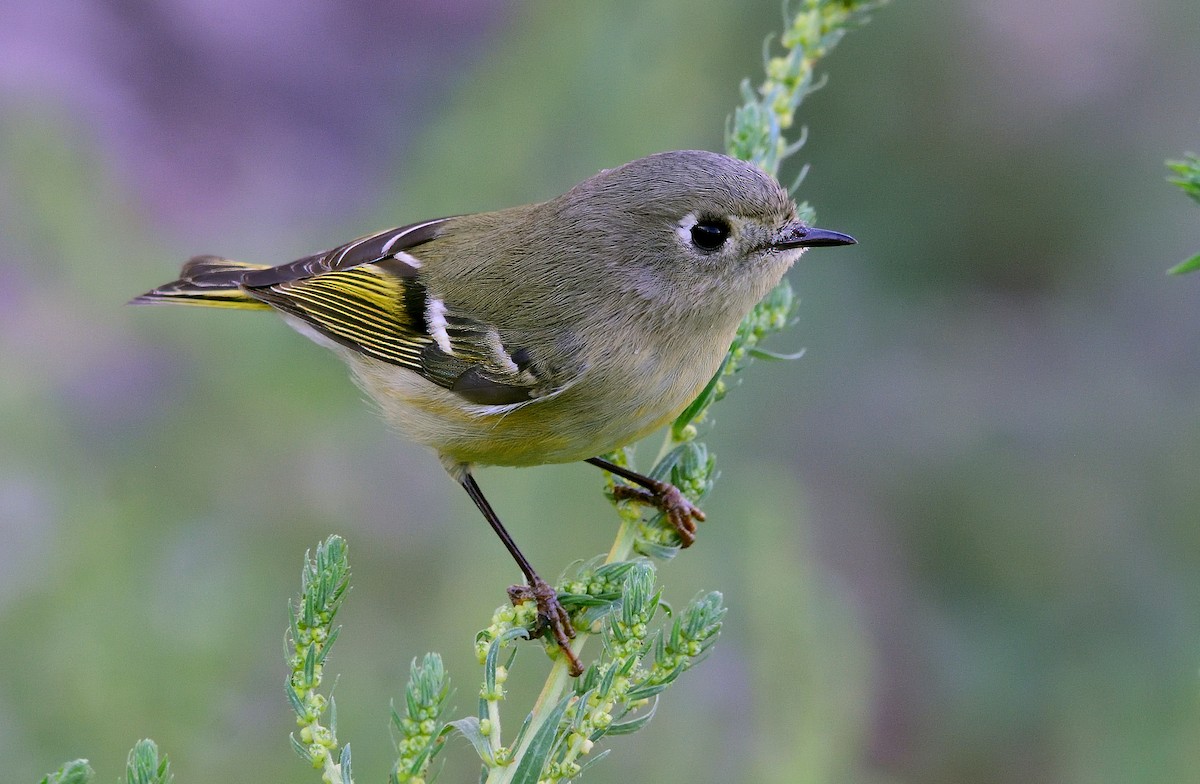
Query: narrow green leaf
469, 727
575, 600
630, 725
699, 404
410, 695
328, 646
663, 552
644, 692
310, 666
537, 753
515, 633
293, 616
397, 722
516, 744
300, 748
596, 613
662, 469
489, 667
762, 353
1191, 265
605, 685
293, 698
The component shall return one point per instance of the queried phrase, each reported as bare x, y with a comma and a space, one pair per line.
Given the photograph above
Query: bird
552, 332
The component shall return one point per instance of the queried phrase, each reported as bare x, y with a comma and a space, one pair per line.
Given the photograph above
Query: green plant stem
493, 738
622, 546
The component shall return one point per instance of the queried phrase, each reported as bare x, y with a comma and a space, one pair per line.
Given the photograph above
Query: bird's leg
552, 616
680, 512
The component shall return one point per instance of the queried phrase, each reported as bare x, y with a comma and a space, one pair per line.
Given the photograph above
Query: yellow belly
582, 421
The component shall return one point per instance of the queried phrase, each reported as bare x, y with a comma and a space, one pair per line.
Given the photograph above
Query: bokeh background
960, 539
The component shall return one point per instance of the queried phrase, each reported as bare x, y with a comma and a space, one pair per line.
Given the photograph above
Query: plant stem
493, 709
622, 546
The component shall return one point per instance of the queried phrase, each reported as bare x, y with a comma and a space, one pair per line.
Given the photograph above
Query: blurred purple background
213, 110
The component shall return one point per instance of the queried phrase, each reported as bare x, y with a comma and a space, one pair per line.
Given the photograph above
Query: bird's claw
552, 618
681, 513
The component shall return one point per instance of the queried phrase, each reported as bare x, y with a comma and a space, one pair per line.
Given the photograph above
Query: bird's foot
552, 618
681, 513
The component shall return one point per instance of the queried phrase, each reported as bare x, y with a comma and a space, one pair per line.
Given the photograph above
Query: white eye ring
684, 227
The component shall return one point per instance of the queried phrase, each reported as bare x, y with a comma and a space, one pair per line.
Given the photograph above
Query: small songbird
546, 333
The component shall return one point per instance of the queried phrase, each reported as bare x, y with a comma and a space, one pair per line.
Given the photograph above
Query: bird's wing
370, 296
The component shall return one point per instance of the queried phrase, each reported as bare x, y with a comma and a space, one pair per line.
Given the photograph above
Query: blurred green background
960, 539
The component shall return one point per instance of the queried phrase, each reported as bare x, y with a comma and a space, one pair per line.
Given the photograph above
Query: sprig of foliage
1187, 177
144, 766
311, 636
420, 732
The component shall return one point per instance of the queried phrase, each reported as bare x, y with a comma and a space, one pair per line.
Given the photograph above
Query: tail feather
209, 281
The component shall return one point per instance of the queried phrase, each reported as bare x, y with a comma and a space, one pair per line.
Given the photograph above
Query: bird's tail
210, 281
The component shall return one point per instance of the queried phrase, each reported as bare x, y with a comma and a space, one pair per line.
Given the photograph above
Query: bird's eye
710, 234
